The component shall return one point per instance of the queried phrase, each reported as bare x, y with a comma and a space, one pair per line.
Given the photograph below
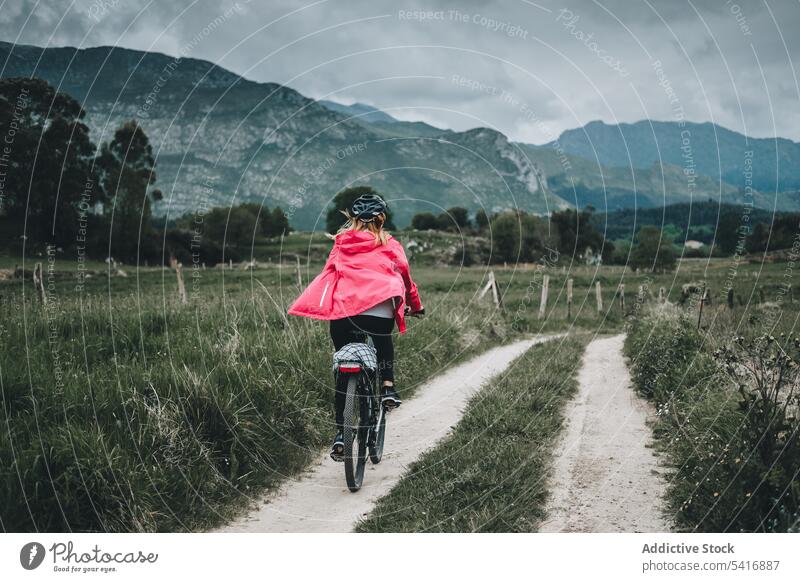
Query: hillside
221, 139
217, 134
608, 188
716, 152
359, 110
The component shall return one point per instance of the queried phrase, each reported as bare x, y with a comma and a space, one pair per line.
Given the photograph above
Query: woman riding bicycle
365, 287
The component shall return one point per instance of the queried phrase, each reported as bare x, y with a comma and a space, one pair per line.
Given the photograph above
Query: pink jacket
358, 275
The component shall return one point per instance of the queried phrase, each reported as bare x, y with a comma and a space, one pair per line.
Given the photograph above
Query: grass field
124, 410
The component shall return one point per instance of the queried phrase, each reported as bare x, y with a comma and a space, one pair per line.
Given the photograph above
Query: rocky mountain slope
711, 150
360, 111
221, 139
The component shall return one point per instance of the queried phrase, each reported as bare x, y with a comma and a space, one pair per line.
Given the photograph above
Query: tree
577, 232
518, 237
275, 223
47, 162
235, 227
271, 223
424, 221
620, 254
481, 219
455, 218
128, 170
757, 243
653, 251
730, 233
782, 232
343, 200
443, 222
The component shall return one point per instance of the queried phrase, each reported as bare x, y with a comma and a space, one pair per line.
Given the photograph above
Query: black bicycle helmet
367, 207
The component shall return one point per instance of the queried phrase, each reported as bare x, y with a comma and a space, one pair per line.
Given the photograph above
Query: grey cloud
575, 86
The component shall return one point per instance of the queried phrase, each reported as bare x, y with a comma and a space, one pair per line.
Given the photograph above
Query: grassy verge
122, 410
727, 418
490, 474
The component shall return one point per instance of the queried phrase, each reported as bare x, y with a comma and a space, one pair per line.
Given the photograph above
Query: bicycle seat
356, 353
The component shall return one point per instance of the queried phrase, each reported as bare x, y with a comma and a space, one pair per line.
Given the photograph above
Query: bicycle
364, 419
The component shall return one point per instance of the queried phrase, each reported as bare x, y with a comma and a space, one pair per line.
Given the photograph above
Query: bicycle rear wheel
376, 450
355, 432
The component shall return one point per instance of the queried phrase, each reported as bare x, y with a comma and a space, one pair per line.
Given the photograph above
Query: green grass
490, 473
125, 411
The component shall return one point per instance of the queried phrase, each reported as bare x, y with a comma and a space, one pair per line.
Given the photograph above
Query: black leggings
352, 329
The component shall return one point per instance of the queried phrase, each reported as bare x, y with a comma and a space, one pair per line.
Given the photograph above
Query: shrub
424, 221
727, 422
667, 356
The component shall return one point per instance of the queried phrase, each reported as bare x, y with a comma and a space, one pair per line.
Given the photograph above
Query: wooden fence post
496, 293
181, 287
599, 295
622, 297
730, 297
491, 284
703, 296
299, 275
38, 283
543, 303
486, 287
569, 298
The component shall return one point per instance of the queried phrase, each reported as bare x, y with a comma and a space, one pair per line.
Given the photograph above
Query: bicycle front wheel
355, 431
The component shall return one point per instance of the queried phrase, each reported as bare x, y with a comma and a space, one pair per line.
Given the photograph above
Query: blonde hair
374, 226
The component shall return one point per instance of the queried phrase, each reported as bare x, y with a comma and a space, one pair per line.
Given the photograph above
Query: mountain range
710, 149
221, 139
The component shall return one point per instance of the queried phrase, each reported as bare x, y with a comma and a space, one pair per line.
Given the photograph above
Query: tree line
518, 236
515, 236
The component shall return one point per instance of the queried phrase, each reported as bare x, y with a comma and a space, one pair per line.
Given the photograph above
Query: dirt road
606, 478
319, 501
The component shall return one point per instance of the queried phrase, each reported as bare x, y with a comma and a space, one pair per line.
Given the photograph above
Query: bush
424, 221
653, 251
727, 422
519, 237
680, 362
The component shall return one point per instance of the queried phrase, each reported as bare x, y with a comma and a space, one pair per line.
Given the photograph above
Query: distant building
693, 244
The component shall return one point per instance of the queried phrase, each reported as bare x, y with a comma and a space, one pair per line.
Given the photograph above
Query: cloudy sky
530, 69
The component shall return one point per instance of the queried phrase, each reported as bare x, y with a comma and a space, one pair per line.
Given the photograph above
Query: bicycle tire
355, 443
376, 450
